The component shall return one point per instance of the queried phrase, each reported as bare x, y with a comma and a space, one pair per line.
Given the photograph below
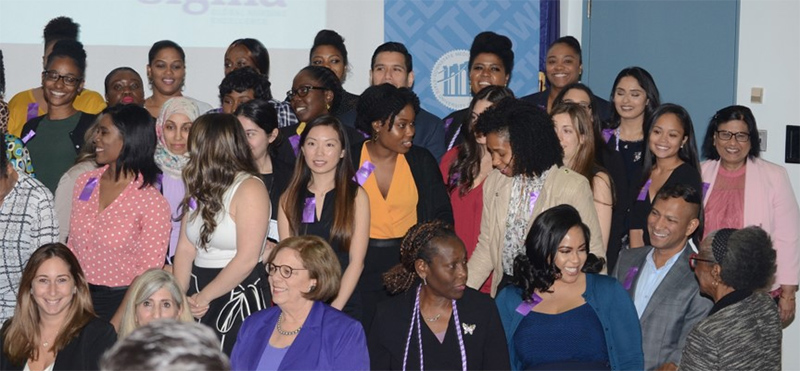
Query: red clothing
725, 206
467, 211
123, 241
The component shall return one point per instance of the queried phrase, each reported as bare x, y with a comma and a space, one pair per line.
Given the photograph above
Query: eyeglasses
285, 270
302, 91
54, 77
694, 258
585, 105
727, 135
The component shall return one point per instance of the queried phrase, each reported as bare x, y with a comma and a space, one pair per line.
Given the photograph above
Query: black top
632, 157
611, 161
433, 201
599, 105
481, 329
321, 227
453, 131
82, 353
347, 103
277, 182
684, 174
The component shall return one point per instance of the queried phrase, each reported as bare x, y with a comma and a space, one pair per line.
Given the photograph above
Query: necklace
286, 333
434, 318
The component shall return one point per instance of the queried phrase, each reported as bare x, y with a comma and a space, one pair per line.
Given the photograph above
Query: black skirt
382, 255
227, 313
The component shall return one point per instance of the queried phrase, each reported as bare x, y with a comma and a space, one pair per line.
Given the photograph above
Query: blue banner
439, 34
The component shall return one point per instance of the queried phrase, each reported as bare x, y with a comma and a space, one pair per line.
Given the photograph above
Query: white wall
769, 57
204, 65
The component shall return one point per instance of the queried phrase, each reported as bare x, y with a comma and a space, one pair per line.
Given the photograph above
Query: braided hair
417, 244
383, 103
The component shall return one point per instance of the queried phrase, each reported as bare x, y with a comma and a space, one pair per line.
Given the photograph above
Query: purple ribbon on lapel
534, 196
629, 278
310, 209
33, 111
192, 204
28, 137
364, 172
644, 191
607, 133
706, 186
447, 123
88, 189
525, 307
294, 140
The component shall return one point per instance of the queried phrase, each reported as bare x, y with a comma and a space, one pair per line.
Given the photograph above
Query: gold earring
327, 106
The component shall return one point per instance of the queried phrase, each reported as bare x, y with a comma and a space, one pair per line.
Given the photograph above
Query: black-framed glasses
302, 91
54, 76
694, 258
285, 270
741, 136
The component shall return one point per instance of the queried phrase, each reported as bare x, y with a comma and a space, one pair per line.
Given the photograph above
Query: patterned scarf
520, 211
170, 163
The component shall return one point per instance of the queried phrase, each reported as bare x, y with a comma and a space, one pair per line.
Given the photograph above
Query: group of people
329, 230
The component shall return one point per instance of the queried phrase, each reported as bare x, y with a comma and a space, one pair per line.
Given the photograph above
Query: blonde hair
143, 288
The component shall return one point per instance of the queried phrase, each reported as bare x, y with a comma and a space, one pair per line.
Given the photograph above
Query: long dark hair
536, 269
263, 114
687, 152
645, 80
138, 133
467, 165
345, 190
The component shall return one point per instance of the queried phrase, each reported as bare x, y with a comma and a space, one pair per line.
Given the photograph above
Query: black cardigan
76, 135
484, 339
82, 353
434, 202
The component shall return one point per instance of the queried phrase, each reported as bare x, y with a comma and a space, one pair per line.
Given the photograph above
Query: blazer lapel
302, 351
673, 281
638, 265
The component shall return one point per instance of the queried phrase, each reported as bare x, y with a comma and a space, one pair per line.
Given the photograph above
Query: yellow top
391, 217
87, 101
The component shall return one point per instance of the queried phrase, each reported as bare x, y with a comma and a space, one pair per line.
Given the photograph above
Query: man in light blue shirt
659, 279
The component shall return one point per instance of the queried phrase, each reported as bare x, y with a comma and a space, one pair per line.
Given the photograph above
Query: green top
52, 150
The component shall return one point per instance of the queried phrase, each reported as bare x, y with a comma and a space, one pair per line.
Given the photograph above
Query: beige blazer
562, 186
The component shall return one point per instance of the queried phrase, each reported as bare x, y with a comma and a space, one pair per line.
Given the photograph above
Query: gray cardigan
745, 335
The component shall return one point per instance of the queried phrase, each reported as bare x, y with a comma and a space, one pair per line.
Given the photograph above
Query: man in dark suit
392, 64
659, 279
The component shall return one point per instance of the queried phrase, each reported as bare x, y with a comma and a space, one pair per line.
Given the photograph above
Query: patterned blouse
128, 237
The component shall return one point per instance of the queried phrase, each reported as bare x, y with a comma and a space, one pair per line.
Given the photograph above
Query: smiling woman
166, 72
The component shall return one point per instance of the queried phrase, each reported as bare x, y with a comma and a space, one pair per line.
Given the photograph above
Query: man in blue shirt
659, 279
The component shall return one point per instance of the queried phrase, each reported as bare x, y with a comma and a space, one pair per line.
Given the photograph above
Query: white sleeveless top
222, 246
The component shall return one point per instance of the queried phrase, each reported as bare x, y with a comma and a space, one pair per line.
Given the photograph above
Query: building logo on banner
450, 79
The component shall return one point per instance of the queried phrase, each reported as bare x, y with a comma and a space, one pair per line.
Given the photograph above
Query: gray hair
143, 288
167, 345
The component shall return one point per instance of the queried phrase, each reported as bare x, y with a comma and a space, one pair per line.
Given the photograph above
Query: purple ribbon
364, 172
160, 182
644, 191
629, 278
526, 306
447, 123
28, 137
192, 204
534, 196
294, 140
33, 111
706, 186
607, 133
88, 189
310, 209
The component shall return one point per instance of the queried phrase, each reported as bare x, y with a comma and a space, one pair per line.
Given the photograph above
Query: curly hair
60, 28
243, 79
218, 151
536, 269
382, 103
325, 77
646, 82
725, 115
749, 263
331, 38
71, 49
467, 165
529, 131
417, 244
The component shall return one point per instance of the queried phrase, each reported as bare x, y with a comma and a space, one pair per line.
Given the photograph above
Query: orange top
391, 217
22, 110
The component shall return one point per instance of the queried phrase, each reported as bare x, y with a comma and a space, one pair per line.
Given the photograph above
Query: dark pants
106, 300
382, 255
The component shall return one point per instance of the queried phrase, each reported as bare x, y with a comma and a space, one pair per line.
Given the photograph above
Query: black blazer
76, 135
82, 353
481, 329
434, 202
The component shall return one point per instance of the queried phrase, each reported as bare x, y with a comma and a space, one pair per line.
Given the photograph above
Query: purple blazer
329, 340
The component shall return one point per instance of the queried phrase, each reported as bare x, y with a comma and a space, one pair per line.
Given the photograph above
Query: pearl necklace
286, 333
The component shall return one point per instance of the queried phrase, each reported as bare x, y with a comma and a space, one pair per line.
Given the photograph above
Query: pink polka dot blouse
127, 238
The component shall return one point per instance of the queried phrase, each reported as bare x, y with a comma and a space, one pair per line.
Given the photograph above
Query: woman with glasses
670, 157
301, 332
55, 138
225, 212
743, 329
316, 91
324, 199
744, 189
